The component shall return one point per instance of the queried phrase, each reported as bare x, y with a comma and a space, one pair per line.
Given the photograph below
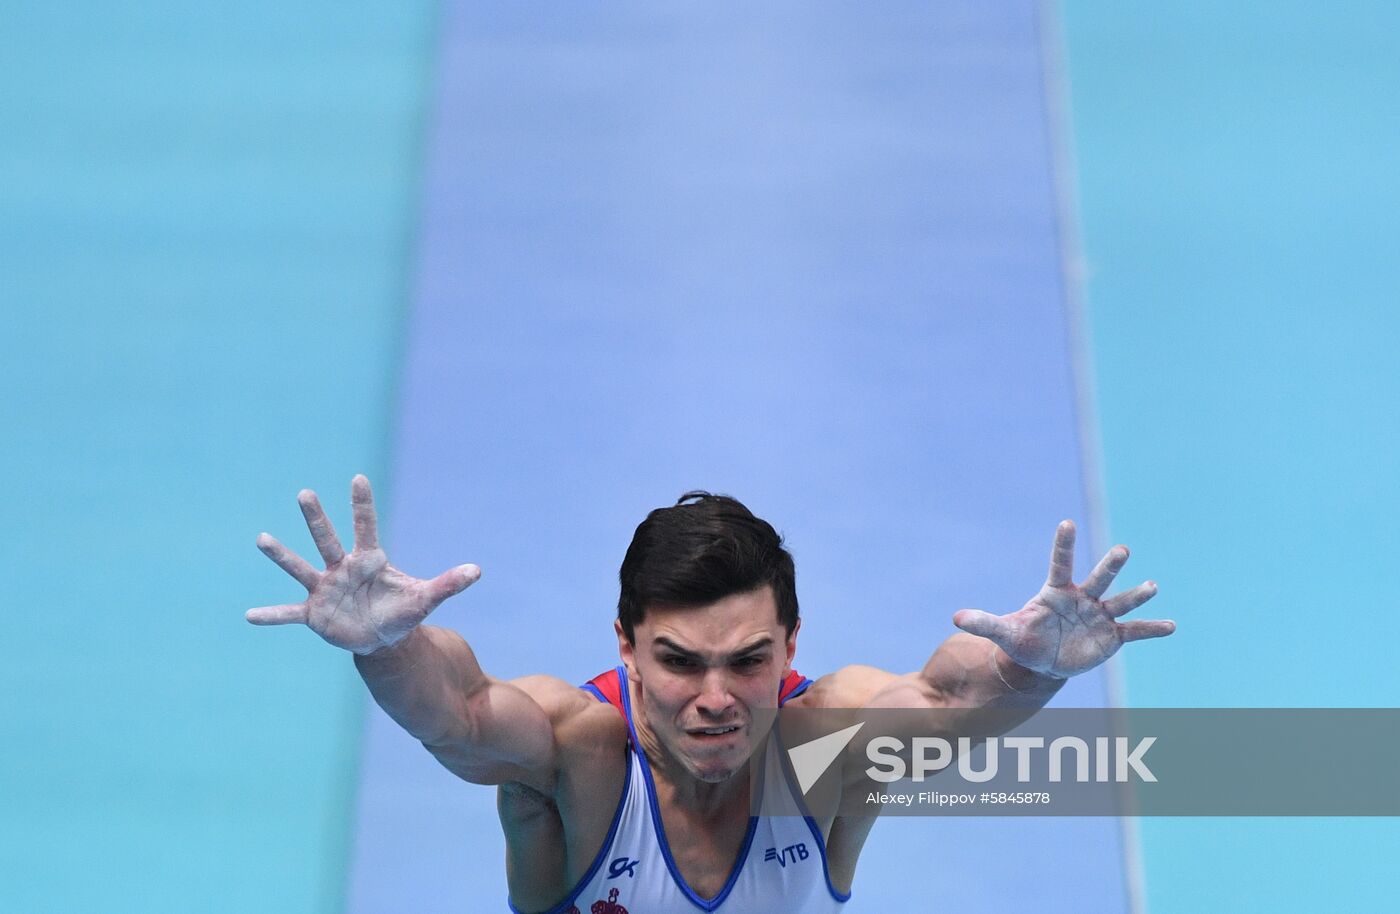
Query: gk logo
622, 865
791, 853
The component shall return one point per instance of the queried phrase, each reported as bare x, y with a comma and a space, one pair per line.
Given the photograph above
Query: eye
749, 662
677, 662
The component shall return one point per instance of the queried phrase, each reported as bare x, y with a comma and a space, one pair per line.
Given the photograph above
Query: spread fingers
289, 561
327, 543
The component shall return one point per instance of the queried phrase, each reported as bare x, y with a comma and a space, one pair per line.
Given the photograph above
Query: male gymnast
631, 794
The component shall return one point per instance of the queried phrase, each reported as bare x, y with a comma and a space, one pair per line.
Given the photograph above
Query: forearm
426, 683
971, 672
482, 729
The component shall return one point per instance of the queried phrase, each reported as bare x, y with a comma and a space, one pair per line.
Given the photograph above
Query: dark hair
703, 549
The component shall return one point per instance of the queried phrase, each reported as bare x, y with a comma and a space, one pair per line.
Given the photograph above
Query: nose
715, 699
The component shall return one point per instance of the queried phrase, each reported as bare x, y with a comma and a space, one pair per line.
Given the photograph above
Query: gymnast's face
699, 675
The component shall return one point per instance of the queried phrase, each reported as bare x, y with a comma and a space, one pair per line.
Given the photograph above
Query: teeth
716, 731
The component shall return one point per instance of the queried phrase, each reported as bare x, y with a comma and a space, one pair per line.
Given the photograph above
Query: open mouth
713, 732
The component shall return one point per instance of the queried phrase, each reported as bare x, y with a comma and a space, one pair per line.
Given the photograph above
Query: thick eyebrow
668, 644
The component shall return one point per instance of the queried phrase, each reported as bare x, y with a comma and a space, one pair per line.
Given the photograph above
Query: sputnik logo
811, 759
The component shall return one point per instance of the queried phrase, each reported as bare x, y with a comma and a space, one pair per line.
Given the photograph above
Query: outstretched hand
1067, 628
360, 602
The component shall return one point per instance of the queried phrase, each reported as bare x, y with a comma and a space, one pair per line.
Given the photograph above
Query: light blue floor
201, 267
1239, 202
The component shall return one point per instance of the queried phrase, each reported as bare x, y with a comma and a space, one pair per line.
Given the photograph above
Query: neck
678, 785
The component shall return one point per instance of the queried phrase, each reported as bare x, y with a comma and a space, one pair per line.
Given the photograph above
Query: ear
791, 647
626, 652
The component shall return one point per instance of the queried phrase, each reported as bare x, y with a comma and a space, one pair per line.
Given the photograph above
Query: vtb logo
790, 854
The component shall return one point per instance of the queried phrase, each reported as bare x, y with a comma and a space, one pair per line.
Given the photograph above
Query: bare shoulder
558, 699
582, 724
852, 686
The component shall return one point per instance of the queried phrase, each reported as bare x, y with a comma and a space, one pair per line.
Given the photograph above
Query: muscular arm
960, 674
1011, 665
484, 730
427, 679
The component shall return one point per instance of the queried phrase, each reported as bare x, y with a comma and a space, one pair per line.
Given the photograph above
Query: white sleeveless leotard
781, 865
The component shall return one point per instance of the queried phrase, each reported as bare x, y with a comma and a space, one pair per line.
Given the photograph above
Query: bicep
510, 733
